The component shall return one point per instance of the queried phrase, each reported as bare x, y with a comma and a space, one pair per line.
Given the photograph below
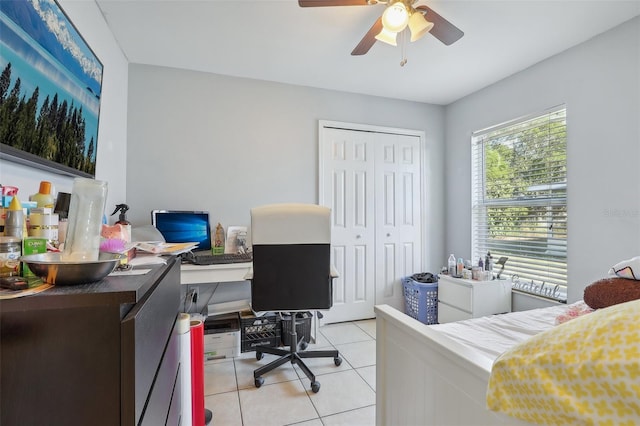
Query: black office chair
291, 272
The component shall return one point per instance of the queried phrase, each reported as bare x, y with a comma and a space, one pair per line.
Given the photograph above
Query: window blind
519, 199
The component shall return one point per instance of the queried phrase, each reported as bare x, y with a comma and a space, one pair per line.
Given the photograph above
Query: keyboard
218, 259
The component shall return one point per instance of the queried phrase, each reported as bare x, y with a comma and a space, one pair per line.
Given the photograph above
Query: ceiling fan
398, 15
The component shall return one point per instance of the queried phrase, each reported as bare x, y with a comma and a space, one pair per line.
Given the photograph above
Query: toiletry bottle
122, 220
43, 197
14, 223
451, 265
62, 209
218, 240
459, 267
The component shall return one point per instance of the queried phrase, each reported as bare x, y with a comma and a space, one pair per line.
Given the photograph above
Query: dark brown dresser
104, 353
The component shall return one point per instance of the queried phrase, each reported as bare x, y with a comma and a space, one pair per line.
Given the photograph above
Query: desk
221, 273
213, 274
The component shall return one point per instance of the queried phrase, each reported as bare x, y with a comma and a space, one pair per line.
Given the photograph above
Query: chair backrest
291, 257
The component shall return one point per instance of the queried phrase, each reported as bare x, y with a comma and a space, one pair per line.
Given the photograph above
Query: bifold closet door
371, 180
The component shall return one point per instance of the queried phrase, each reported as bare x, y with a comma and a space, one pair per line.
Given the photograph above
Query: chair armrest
249, 274
333, 273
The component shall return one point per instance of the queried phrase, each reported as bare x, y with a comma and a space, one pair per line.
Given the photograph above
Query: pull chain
403, 44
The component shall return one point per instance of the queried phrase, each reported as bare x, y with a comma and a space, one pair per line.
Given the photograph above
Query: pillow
627, 269
573, 311
583, 372
611, 291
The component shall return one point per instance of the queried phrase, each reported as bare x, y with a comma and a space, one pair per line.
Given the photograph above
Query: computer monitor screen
183, 227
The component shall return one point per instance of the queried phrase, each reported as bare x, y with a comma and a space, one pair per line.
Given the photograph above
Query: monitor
183, 226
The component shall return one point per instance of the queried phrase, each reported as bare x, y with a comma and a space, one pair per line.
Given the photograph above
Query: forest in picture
55, 133
50, 89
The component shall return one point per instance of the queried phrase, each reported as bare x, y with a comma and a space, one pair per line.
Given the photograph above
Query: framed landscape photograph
50, 88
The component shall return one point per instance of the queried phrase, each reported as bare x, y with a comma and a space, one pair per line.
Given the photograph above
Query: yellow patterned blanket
583, 372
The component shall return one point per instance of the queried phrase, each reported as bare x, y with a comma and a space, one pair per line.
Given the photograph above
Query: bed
439, 375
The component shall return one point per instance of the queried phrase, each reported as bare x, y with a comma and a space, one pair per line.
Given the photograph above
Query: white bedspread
492, 335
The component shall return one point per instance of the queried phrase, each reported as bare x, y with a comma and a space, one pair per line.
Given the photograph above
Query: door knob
388, 234
358, 236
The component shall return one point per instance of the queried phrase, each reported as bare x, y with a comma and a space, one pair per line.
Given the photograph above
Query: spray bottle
122, 220
14, 224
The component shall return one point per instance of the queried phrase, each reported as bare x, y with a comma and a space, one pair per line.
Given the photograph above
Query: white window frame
536, 250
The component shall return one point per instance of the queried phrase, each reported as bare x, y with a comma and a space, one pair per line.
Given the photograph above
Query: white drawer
448, 313
456, 295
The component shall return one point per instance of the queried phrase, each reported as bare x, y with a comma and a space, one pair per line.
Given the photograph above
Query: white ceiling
276, 40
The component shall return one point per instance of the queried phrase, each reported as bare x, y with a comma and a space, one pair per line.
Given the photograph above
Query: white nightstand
460, 299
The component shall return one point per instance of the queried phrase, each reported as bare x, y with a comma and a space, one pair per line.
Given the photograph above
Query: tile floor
346, 397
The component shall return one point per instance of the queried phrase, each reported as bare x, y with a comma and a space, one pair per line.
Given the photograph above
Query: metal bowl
53, 270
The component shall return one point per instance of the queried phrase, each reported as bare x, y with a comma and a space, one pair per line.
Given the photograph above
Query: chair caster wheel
260, 381
259, 355
303, 345
315, 387
337, 361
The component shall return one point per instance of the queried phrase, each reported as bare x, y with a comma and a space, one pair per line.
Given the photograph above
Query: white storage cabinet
460, 299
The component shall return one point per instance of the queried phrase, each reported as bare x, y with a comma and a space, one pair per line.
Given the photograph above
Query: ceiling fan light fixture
387, 37
419, 26
395, 17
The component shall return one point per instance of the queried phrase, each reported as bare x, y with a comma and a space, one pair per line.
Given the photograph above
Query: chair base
295, 356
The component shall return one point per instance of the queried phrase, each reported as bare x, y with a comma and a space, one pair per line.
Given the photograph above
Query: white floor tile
369, 375
314, 422
321, 341
246, 366
361, 417
320, 366
219, 377
225, 408
340, 392
347, 332
277, 404
368, 326
359, 354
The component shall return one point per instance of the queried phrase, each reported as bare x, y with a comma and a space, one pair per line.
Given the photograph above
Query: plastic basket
259, 331
303, 327
420, 300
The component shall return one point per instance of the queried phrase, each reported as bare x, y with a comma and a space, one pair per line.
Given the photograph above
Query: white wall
112, 133
223, 144
599, 81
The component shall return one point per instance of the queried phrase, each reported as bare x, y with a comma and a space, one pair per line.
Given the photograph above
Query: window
519, 200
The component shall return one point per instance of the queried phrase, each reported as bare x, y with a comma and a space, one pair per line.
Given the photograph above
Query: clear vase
86, 209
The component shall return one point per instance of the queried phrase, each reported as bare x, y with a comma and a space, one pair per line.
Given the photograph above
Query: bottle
218, 240
451, 265
122, 220
62, 209
14, 223
43, 197
459, 267
82, 242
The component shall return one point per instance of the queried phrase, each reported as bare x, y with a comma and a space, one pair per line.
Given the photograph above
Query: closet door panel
348, 160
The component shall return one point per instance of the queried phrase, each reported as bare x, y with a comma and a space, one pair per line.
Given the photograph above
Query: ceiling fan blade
320, 3
442, 29
369, 39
